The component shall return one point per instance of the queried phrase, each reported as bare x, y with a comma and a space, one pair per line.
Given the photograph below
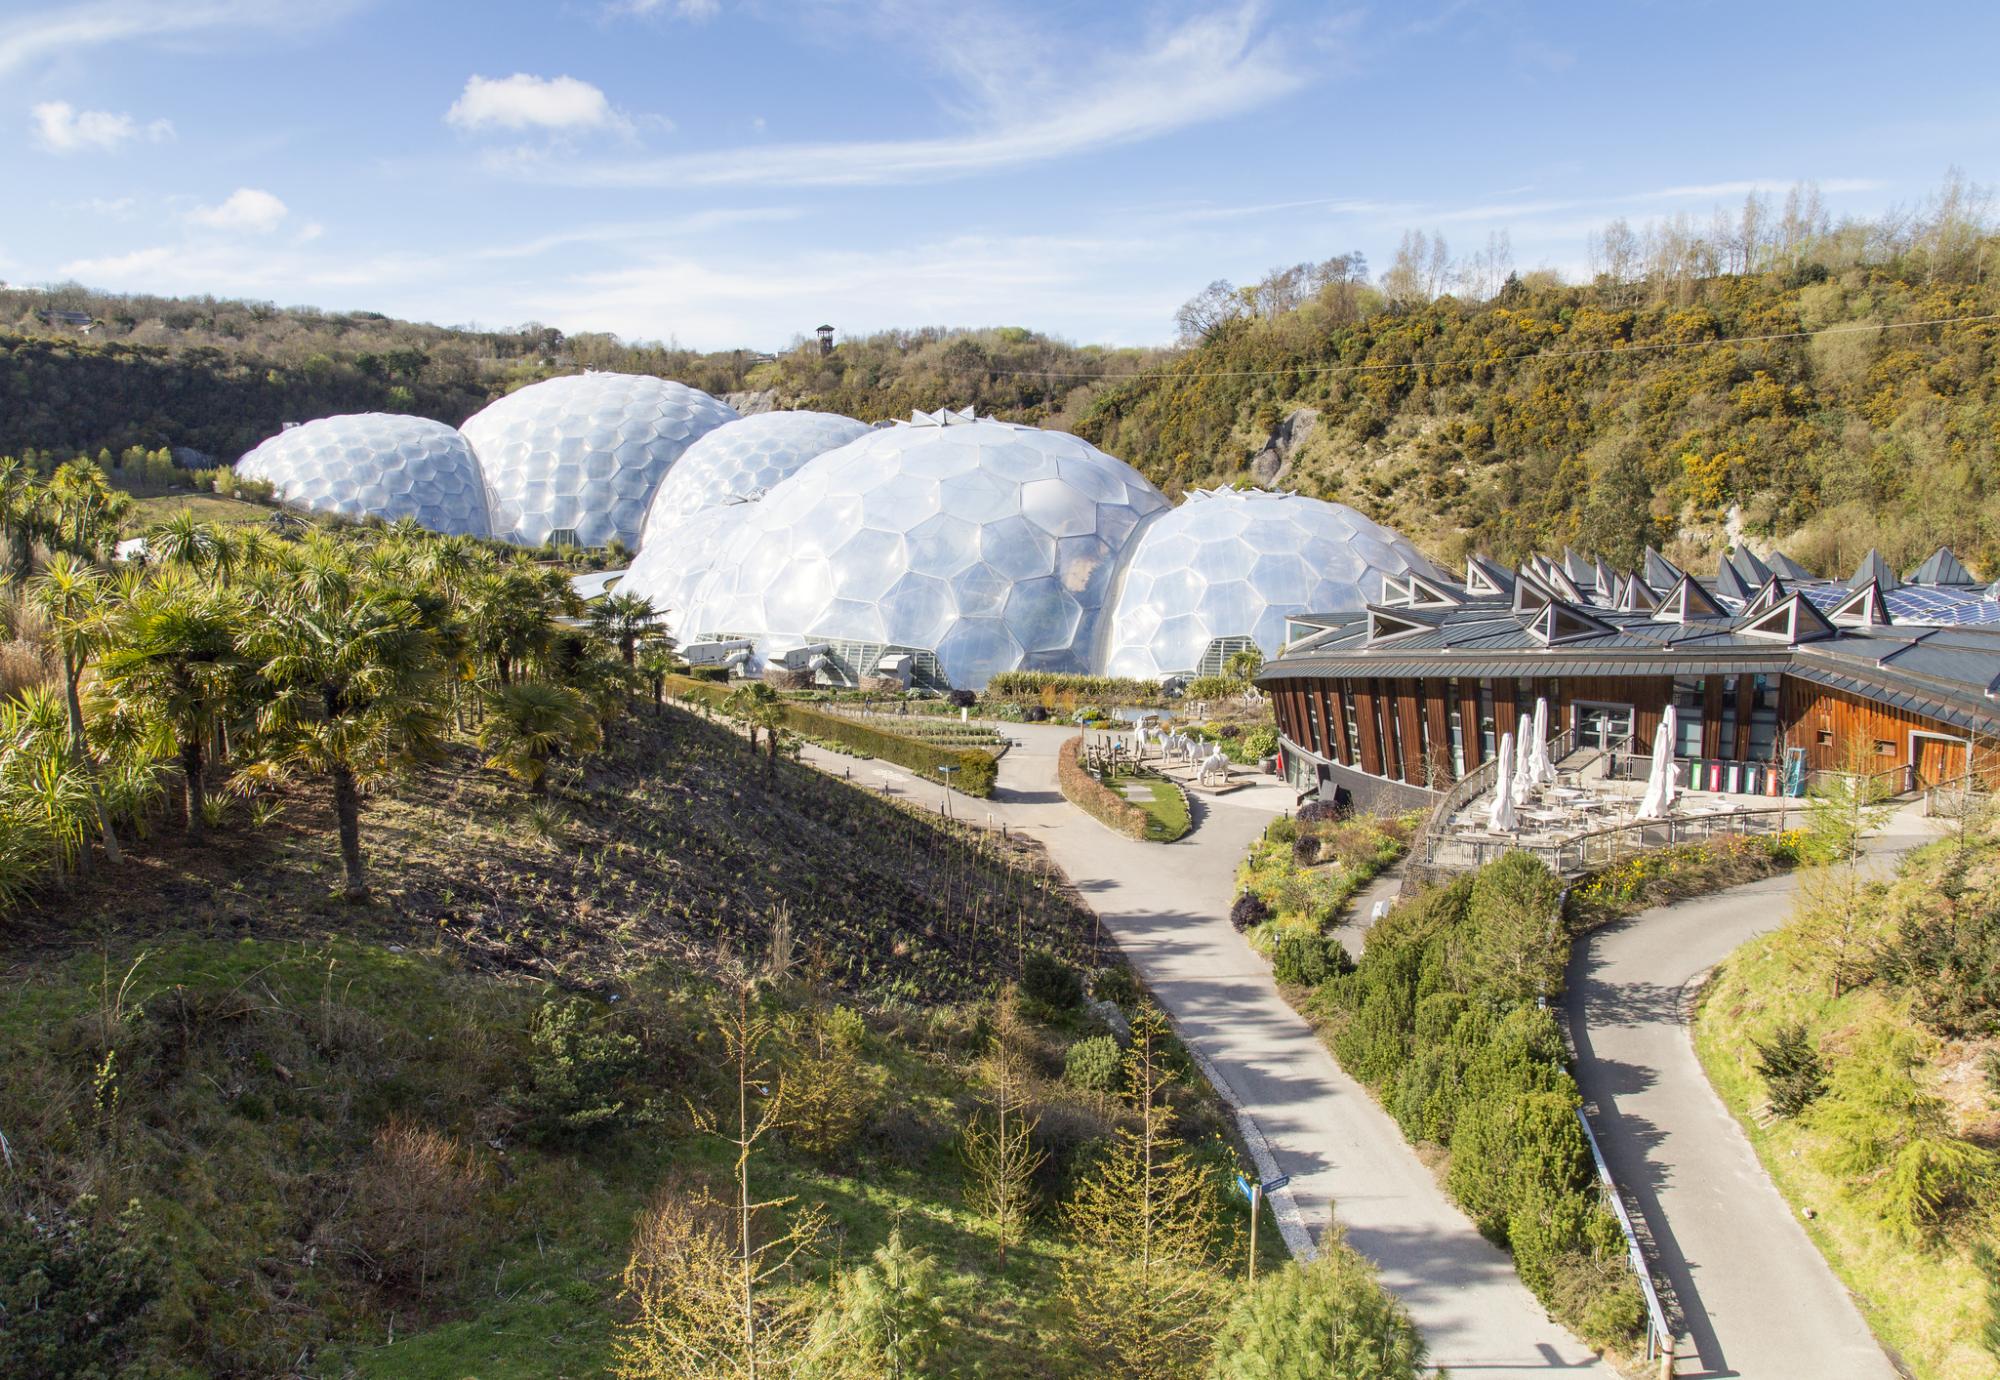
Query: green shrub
1281, 830
574, 1073
1094, 1064
1303, 959
1050, 981
1326, 1320
1791, 1068
73, 1287
1116, 985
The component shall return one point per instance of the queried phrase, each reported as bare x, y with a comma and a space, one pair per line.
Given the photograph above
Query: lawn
1165, 805
149, 512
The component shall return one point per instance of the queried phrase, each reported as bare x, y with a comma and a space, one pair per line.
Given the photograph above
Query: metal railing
1574, 854
1469, 788
1959, 796
1659, 1336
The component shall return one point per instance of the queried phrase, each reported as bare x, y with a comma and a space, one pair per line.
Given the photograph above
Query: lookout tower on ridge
826, 340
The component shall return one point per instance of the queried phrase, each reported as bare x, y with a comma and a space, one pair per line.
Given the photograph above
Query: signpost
1254, 1193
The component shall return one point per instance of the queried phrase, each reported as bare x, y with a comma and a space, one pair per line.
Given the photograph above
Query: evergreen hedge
1445, 1018
1092, 796
973, 771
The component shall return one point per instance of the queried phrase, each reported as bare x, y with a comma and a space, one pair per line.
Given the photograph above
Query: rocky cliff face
1273, 463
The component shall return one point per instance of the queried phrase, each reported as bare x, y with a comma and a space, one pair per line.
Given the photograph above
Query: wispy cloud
523, 102
61, 128
61, 29
247, 209
1210, 67
678, 9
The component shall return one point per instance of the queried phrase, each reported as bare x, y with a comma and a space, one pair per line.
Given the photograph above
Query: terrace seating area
1586, 817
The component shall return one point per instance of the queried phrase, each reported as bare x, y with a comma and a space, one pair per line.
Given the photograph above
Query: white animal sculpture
1216, 763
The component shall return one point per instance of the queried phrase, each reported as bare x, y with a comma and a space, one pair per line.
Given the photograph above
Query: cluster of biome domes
935, 552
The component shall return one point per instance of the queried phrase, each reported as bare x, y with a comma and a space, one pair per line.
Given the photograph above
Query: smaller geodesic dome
742, 460
1225, 569
576, 459
984, 546
710, 488
376, 465
677, 558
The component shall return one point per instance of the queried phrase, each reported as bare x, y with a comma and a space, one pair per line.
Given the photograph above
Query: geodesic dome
1232, 564
577, 458
992, 546
376, 464
676, 558
742, 460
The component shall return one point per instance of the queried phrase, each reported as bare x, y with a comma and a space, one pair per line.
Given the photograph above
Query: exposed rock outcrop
1273, 463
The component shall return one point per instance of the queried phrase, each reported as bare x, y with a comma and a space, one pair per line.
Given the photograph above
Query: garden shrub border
1095, 798
974, 771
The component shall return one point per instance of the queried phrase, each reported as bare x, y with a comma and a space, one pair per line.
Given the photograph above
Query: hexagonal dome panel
1236, 563
742, 460
376, 464
583, 454
992, 545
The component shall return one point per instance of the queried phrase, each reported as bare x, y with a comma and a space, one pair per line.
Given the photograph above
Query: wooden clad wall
1853, 725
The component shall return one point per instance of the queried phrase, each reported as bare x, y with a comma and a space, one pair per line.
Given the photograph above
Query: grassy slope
268, 1033
1928, 1305
227, 512
1166, 809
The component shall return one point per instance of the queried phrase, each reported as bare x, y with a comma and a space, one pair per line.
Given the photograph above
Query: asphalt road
1167, 905
1754, 1296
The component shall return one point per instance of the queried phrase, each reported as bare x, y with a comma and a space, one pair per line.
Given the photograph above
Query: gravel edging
1291, 1222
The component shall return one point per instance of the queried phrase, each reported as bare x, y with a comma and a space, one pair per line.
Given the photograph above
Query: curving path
1755, 1296
1167, 906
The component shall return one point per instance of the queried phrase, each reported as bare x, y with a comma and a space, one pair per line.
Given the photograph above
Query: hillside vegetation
1760, 375
1859, 1046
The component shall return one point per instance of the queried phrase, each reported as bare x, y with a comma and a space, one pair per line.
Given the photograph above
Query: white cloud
527, 102
62, 128
246, 209
1026, 109
679, 9
64, 28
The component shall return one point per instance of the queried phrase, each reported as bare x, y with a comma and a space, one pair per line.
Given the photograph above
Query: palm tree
510, 618
354, 684
23, 517
74, 598
85, 509
656, 663
530, 724
185, 538
759, 707
45, 800
173, 659
622, 619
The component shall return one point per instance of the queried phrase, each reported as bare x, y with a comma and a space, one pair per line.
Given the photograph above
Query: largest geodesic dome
376, 465
986, 546
1223, 571
576, 459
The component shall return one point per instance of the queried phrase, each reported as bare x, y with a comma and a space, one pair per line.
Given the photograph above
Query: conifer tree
1000, 1155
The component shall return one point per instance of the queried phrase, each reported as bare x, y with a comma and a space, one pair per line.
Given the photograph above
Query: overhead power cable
1537, 356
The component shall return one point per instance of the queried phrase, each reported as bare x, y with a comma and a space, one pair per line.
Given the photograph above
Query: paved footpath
1755, 1296
1168, 907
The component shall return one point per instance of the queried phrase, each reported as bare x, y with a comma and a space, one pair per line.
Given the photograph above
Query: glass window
1488, 723
1688, 701
1353, 727
1392, 736
1457, 728
1424, 736
1764, 719
1725, 741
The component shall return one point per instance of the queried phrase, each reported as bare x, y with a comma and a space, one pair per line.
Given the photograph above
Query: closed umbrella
1659, 798
1672, 786
1524, 755
1500, 819
1541, 771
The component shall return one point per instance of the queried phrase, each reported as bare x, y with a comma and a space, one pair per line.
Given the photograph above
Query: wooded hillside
1830, 384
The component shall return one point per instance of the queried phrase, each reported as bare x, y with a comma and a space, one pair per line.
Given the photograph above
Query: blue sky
724, 173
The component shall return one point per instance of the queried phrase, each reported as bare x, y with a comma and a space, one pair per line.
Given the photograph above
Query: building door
1939, 759
1602, 726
